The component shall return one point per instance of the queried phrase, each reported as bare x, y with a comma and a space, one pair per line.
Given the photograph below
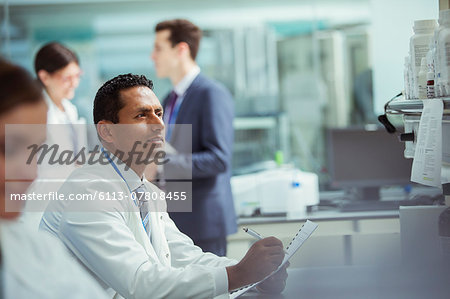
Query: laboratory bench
322, 215
350, 255
341, 239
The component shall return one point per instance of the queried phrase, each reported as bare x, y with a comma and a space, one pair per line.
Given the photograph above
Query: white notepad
302, 235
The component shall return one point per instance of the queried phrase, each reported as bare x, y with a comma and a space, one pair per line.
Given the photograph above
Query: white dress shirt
35, 265
180, 90
184, 84
114, 245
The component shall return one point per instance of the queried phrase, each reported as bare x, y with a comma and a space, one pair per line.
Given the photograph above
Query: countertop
322, 216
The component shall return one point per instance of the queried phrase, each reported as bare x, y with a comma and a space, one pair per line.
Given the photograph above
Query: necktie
172, 103
172, 115
143, 205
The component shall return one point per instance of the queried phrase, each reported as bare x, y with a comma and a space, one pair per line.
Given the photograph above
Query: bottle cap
424, 25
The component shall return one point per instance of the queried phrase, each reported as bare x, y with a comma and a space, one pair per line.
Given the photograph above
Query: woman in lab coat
57, 69
31, 265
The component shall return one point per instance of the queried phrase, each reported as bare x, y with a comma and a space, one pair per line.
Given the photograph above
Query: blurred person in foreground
32, 265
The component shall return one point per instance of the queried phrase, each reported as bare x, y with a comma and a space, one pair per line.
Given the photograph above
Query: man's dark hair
182, 31
17, 87
53, 57
107, 103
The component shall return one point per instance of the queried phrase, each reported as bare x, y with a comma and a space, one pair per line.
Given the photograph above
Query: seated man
134, 253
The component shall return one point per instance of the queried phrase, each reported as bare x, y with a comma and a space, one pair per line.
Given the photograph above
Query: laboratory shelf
402, 106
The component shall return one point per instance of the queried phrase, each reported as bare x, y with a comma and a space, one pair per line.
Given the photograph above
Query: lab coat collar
52, 105
47, 99
184, 84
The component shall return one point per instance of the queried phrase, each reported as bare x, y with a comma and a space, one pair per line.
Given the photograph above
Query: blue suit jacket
208, 107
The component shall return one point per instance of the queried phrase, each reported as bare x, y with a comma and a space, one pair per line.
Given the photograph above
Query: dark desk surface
407, 282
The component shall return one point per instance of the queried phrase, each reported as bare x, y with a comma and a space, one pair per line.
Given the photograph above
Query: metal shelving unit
411, 111
412, 107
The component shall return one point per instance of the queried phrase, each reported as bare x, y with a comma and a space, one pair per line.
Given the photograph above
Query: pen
256, 235
252, 233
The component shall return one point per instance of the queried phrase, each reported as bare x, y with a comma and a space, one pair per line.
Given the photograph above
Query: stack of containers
434, 51
427, 68
443, 55
419, 47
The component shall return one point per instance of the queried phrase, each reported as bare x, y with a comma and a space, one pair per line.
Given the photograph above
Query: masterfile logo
67, 148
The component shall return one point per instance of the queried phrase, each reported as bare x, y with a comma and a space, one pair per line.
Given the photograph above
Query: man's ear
183, 49
104, 130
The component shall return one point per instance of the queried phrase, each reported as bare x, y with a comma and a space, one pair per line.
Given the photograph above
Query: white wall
392, 23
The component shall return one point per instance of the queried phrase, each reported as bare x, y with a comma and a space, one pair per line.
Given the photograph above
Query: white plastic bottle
296, 201
411, 80
442, 55
431, 58
430, 85
435, 53
422, 79
419, 46
430, 69
406, 78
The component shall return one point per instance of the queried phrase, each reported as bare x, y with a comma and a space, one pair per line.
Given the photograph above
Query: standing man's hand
261, 259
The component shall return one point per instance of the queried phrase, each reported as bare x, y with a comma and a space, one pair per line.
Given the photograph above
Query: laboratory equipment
271, 192
366, 159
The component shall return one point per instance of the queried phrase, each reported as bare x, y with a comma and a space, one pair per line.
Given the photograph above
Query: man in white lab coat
133, 253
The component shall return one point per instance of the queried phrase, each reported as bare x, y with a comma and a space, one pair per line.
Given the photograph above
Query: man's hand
274, 284
261, 259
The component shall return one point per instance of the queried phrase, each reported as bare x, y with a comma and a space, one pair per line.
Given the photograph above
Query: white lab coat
59, 131
37, 266
60, 126
112, 242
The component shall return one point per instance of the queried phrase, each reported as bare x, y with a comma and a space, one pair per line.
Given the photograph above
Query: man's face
165, 57
140, 122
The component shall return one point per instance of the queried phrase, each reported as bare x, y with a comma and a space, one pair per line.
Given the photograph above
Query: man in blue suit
208, 107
